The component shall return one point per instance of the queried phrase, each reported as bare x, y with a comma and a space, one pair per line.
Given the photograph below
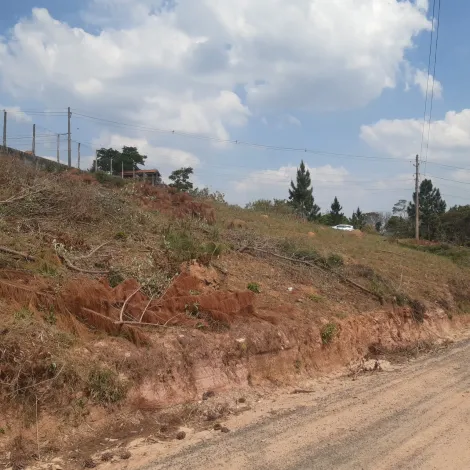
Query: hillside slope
120, 299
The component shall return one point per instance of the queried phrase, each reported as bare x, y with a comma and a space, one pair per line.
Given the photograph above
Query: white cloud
159, 157
449, 138
15, 113
427, 84
325, 175
178, 66
293, 120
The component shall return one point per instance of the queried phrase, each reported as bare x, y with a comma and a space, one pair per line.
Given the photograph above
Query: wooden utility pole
34, 141
122, 169
4, 129
96, 161
78, 160
69, 114
417, 198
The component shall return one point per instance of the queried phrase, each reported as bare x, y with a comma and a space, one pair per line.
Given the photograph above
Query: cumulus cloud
159, 157
449, 138
178, 64
282, 176
15, 113
427, 84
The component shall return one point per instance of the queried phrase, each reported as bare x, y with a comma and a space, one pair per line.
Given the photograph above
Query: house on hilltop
151, 176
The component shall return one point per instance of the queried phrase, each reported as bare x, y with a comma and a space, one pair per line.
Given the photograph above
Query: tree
180, 179
336, 216
431, 207
128, 159
301, 195
399, 209
358, 219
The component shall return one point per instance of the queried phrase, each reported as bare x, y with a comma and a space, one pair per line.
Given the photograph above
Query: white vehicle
347, 228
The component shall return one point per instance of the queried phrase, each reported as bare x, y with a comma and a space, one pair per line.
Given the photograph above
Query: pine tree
431, 207
358, 219
336, 215
301, 195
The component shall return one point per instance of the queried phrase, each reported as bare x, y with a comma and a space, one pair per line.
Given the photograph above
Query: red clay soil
192, 300
168, 201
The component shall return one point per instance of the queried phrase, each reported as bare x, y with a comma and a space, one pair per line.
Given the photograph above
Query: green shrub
328, 332
254, 287
335, 260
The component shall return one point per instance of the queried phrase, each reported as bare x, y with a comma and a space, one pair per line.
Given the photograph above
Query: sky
242, 91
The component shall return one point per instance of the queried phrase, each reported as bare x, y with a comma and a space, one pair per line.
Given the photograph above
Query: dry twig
17, 253
125, 304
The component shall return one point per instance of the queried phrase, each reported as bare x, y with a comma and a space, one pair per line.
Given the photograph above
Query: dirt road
414, 417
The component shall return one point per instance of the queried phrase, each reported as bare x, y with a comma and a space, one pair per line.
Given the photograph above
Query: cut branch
125, 304
92, 252
17, 253
307, 263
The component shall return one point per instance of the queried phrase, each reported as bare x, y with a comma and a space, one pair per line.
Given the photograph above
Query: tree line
436, 222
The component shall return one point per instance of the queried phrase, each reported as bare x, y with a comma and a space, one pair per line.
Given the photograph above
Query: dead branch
145, 309
17, 253
301, 390
80, 270
307, 263
137, 323
125, 304
92, 252
21, 196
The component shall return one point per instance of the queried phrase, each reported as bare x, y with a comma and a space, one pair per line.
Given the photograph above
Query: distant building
152, 176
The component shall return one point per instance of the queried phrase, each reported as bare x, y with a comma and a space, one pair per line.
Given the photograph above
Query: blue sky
337, 76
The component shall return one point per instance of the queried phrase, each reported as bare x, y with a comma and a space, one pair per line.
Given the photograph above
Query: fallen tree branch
137, 323
125, 304
316, 266
145, 309
92, 252
301, 390
17, 253
21, 196
80, 270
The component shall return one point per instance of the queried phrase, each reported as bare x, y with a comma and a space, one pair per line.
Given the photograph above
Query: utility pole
417, 198
78, 156
5, 129
111, 167
69, 114
34, 140
122, 169
58, 148
96, 161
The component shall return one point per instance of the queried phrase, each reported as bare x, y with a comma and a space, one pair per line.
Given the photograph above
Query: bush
254, 287
109, 180
328, 332
335, 260
105, 387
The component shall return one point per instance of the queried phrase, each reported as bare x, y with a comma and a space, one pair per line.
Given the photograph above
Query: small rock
181, 435
242, 400
224, 429
211, 416
125, 455
106, 457
217, 427
208, 394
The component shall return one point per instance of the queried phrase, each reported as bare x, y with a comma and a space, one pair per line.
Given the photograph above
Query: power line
433, 81
427, 78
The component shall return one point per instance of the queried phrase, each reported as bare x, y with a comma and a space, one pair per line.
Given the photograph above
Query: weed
50, 316
104, 386
335, 260
47, 269
115, 278
402, 299
23, 314
194, 292
109, 180
192, 310
254, 287
120, 236
328, 332
298, 365
316, 298
2, 431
